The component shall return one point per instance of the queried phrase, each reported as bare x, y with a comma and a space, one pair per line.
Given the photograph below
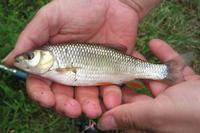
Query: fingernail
107, 123
113, 100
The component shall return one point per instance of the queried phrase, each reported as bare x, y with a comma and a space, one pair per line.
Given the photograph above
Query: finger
88, 97
64, 100
138, 55
37, 32
129, 96
162, 50
39, 90
139, 116
156, 87
166, 53
111, 96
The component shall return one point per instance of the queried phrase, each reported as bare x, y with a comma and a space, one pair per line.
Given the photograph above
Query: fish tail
175, 67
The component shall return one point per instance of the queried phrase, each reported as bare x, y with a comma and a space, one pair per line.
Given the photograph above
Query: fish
92, 64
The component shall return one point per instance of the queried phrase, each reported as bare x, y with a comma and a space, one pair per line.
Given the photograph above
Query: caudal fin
176, 66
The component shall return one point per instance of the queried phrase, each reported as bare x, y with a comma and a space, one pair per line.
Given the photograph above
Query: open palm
102, 21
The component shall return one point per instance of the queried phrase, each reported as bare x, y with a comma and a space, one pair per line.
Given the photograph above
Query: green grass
177, 22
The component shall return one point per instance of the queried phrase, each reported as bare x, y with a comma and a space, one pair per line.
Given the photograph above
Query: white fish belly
86, 79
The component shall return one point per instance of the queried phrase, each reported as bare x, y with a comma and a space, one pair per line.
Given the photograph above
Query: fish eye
29, 55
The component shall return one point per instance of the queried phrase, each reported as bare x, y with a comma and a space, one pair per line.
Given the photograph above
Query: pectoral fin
67, 69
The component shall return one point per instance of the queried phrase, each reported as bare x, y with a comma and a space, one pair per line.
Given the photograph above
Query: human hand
102, 21
175, 109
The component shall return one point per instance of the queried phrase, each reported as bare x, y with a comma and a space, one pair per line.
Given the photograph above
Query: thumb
36, 33
140, 116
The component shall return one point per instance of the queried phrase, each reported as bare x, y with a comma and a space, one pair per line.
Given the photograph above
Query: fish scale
86, 64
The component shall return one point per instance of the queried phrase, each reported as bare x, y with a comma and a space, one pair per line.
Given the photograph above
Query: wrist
142, 7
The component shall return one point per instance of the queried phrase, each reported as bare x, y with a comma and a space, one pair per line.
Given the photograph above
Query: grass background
176, 21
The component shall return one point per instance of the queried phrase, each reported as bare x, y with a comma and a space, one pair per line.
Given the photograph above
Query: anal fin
135, 84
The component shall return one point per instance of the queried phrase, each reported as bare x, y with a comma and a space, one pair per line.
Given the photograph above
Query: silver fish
85, 64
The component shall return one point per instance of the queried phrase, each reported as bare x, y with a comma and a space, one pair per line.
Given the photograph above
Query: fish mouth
17, 61
20, 65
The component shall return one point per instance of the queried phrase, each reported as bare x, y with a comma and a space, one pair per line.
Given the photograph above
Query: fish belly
86, 79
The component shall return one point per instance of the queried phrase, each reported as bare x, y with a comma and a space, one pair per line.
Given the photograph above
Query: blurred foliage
177, 22
14, 15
